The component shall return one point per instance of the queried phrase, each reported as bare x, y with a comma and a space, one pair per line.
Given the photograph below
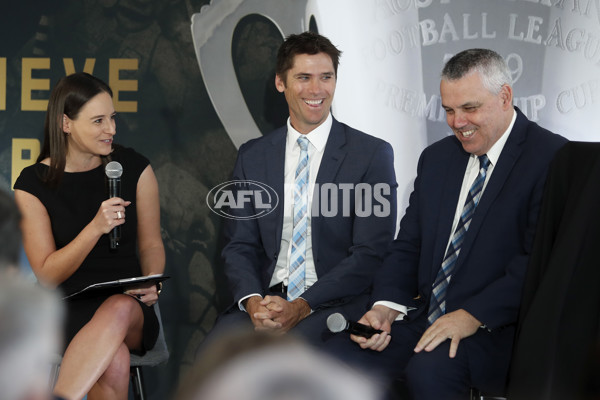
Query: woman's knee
120, 308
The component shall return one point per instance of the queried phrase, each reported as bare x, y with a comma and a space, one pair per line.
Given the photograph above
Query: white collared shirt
317, 139
472, 171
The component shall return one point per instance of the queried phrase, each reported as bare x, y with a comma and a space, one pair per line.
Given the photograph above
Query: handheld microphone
113, 171
336, 322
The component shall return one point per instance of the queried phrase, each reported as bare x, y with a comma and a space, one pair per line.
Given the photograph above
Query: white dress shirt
317, 139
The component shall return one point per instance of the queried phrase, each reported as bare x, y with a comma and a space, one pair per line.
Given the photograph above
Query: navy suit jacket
347, 250
490, 269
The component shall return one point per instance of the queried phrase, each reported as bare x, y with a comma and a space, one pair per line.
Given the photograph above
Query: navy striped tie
437, 304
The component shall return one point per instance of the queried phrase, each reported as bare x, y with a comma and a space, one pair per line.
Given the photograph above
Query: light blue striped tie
298, 256
437, 304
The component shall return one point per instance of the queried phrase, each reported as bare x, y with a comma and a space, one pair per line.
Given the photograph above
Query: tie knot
484, 162
303, 142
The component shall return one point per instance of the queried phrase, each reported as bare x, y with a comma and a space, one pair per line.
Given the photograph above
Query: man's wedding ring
118, 214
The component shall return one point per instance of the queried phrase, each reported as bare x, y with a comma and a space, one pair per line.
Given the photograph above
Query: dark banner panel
144, 50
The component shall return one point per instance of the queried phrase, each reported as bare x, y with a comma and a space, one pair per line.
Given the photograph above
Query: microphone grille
336, 322
113, 170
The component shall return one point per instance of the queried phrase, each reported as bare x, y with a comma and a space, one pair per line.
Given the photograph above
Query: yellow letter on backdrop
115, 65
30, 84
24, 153
2, 83
87, 67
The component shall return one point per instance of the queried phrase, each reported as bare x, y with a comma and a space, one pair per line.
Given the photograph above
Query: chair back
159, 353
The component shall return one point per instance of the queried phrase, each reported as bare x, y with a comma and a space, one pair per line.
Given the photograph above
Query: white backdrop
394, 50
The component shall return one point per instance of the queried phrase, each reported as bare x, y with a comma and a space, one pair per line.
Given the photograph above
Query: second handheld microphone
336, 322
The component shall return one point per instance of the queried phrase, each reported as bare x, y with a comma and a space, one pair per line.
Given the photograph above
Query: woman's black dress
71, 206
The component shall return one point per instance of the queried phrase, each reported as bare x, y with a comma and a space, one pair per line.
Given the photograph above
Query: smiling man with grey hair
448, 294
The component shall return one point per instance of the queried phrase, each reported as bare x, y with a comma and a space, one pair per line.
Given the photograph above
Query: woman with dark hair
66, 218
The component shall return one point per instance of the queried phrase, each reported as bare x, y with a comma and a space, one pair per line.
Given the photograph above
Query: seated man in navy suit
448, 294
318, 251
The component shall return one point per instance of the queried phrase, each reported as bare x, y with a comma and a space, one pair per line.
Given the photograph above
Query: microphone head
336, 322
113, 170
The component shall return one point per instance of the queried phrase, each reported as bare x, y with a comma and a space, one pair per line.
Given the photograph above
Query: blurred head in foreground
258, 366
31, 319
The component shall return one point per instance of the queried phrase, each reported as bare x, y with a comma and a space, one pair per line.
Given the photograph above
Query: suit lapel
333, 155
275, 170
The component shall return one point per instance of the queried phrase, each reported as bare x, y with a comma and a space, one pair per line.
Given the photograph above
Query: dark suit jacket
557, 350
490, 269
347, 250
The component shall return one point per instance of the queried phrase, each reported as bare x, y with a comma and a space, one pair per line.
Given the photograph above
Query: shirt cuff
394, 306
311, 310
240, 303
